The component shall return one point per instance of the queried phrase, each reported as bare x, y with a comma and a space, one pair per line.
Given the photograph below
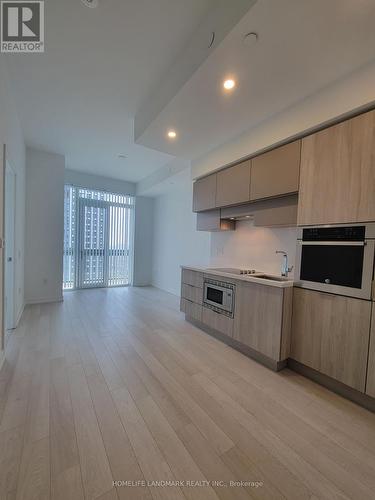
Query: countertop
285, 283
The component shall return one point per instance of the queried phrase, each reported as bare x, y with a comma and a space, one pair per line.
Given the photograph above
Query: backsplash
253, 247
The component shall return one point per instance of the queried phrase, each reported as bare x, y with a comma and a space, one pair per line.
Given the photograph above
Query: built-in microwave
219, 296
337, 259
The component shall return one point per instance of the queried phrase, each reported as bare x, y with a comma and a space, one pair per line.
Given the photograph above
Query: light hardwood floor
114, 385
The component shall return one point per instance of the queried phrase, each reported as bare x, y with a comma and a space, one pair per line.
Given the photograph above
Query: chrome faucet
285, 269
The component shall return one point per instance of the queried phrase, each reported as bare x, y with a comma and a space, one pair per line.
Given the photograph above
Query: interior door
10, 198
92, 244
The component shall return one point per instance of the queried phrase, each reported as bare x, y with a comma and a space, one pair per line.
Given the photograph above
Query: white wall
11, 135
143, 241
44, 226
253, 247
176, 240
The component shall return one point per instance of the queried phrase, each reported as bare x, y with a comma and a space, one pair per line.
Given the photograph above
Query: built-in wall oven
219, 296
337, 259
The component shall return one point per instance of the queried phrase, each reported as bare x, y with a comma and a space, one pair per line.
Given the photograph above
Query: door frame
9, 169
81, 203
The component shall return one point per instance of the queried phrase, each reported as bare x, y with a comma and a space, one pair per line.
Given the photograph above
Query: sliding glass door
98, 238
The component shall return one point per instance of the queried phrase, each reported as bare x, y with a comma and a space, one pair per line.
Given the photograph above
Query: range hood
273, 212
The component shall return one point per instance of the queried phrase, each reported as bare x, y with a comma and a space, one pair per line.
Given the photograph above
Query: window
98, 237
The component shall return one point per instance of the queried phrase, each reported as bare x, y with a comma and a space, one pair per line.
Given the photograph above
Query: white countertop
251, 278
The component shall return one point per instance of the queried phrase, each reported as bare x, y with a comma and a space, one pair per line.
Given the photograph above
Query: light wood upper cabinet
204, 193
210, 220
330, 333
370, 385
276, 172
337, 178
233, 185
262, 319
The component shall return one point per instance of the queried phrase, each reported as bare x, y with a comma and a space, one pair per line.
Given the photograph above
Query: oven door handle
334, 243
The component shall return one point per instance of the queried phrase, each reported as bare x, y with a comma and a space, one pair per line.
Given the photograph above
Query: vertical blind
98, 232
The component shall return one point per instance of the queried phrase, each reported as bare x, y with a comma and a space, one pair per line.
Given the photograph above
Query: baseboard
45, 300
238, 346
333, 385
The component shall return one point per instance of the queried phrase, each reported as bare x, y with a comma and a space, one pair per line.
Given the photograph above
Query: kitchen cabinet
330, 334
210, 221
192, 293
276, 173
191, 277
263, 318
233, 185
191, 309
276, 212
337, 176
280, 212
218, 322
370, 384
204, 193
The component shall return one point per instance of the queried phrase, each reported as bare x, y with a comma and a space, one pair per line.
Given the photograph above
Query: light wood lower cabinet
370, 385
191, 309
330, 334
192, 293
219, 322
262, 319
192, 278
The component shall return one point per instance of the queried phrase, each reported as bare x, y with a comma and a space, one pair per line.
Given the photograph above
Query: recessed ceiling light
172, 134
229, 84
90, 3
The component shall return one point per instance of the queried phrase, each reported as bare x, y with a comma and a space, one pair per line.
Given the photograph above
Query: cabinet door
192, 278
233, 185
258, 318
191, 309
370, 385
337, 178
331, 334
204, 193
276, 172
219, 322
210, 220
192, 293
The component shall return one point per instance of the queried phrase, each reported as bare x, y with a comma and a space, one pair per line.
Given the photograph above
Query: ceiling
80, 97
303, 46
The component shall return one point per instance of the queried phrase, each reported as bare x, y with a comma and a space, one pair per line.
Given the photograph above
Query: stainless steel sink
271, 278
